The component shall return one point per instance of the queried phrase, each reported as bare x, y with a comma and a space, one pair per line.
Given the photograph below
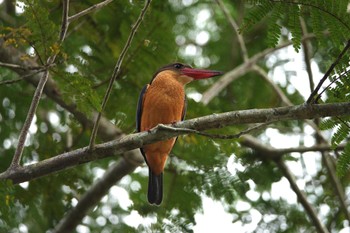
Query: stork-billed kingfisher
163, 101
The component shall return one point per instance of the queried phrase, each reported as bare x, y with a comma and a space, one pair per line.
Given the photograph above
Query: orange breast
163, 103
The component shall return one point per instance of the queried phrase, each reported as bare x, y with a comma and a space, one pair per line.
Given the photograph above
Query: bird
163, 101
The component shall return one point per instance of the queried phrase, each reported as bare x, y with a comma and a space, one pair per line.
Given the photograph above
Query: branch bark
310, 210
137, 140
117, 171
240, 70
38, 93
275, 154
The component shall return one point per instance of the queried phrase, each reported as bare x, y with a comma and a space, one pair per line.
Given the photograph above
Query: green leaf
343, 164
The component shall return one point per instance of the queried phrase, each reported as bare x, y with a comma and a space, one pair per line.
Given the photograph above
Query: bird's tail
155, 188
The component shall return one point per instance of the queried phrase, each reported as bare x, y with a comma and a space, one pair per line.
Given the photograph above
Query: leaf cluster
329, 21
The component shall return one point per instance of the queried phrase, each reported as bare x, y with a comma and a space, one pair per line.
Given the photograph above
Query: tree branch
65, 23
307, 56
301, 197
274, 86
37, 95
235, 28
240, 70
92, 197
116, 71
32, 109
15, 66
88, 10
326, 75
137, 140
275, 154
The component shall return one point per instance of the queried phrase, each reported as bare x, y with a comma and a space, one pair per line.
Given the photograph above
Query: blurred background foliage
190, 31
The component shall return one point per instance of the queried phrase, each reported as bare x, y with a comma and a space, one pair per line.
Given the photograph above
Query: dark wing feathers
139, 114
139, 108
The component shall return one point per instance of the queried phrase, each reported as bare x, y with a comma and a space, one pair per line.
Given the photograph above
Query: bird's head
185, 73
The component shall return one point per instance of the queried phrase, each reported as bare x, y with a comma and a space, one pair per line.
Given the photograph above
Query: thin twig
307, 56
21, 78
31, 112
65, 23
214, 136
235, 29
88, 10
332, 82
252, 142
15, 66
326, 75
37, 96
7, 82
116, 71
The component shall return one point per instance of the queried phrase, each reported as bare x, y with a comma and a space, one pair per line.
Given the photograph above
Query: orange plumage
163, 102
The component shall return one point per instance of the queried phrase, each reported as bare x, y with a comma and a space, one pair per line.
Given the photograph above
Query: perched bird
163, 101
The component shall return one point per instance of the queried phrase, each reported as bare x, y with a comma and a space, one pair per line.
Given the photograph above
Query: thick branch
133, 141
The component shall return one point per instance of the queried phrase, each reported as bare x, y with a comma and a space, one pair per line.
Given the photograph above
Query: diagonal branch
274, 154
326, 75
37, 95
116, 71
88, 10
235, 28
310, 210
274, 86
307, 54
15, 66
137, 140
31, 112
92, 197
240, 70
64, 25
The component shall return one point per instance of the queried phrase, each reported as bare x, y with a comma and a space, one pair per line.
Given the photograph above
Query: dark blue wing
139, 114
139, 108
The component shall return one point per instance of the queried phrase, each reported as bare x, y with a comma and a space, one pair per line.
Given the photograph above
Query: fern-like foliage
343, 165
341, 129
42, 34
328, 20
79, 90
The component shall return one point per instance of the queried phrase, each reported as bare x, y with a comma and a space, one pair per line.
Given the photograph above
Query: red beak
200, 74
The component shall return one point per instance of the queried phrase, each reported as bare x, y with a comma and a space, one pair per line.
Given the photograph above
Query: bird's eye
178, 66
